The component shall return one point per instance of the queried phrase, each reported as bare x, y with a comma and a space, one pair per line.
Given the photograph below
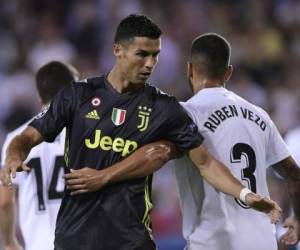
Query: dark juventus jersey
104, 127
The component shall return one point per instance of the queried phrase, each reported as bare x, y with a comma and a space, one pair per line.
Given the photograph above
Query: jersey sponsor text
107, 143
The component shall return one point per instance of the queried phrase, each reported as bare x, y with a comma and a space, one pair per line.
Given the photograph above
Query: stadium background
265, 37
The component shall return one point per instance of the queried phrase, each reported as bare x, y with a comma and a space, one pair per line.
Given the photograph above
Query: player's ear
117, 49
189, 70
40, 100
228, 73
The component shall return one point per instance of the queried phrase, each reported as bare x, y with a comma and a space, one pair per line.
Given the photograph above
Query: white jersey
244, 138
40, 191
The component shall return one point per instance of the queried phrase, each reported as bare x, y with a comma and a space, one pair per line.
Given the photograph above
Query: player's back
40, 191
238, 134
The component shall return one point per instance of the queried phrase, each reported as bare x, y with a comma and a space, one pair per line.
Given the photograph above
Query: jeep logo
107, 143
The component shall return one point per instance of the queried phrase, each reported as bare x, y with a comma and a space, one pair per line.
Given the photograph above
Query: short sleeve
3, 152
57, 115
277, 149
180, 128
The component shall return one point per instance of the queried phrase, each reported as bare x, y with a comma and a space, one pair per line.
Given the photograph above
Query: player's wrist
105, 176
244, 192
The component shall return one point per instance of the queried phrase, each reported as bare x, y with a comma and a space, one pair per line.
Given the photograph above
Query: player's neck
44, 105
207, 83
120, 83
214, 85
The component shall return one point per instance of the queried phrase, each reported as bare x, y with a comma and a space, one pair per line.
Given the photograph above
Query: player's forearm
7, 215
18, 149
215, 173
289, 170
225, 182
21, 145
143, 162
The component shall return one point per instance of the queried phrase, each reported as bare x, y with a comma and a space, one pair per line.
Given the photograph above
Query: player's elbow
161, 151
288, 169
201, 159
206, 167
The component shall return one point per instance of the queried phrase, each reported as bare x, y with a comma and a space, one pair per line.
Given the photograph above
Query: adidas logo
92, 115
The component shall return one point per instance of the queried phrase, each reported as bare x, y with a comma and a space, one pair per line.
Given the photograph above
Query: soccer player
40, 190
107, 118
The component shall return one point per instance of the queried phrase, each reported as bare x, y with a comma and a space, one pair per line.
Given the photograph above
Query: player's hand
264, 205
86, 180
9, 170
292, 235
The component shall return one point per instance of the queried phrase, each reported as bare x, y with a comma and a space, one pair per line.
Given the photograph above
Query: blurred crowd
264, 35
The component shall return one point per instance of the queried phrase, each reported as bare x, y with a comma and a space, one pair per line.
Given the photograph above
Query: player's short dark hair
136, 26
210, 52
52, 77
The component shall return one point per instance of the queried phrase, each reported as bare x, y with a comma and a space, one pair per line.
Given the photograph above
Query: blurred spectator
243, 85
51, 44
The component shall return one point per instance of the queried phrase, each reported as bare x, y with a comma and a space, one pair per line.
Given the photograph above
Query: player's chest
104, 115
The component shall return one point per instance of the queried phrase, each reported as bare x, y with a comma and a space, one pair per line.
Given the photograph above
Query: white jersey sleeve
3, 152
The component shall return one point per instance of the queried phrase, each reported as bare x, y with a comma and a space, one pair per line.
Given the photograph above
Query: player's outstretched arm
17, 152
142, 162
289, 170
218, 175
8, 218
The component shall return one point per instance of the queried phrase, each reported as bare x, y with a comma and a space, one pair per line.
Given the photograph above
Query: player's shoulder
261, 111
89, 83
203, 102
85, 88
158, 94
249, 105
